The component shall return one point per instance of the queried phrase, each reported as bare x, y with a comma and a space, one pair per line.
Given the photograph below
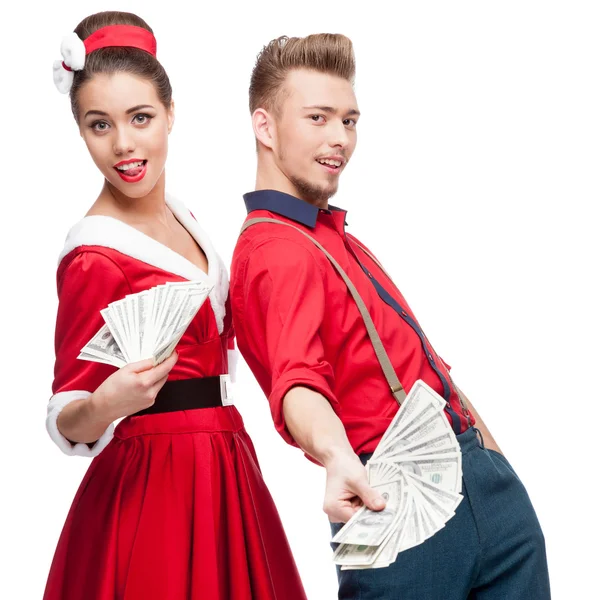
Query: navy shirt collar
285, 205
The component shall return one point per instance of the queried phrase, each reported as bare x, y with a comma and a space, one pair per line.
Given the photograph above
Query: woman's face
125, 127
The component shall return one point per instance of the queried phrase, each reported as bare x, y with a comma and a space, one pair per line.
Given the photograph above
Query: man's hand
320, 433
347, 488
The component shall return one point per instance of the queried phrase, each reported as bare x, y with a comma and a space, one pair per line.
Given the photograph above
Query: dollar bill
361, 555
418, 463
113, 317
103, 348
373, 557
148, 324
421, 403
368, 527
427, 438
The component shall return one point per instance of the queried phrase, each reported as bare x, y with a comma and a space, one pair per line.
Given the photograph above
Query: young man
304, 338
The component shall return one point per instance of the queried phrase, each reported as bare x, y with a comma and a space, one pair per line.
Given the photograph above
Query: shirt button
430, 357
404, 313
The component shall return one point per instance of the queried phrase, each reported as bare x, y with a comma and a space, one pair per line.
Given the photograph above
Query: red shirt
297, 324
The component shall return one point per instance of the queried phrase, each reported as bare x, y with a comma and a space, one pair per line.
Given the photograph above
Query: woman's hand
132, 388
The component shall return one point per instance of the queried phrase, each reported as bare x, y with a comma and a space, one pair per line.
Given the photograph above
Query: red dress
173, 506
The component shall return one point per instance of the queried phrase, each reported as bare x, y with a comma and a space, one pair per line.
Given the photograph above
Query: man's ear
263, 125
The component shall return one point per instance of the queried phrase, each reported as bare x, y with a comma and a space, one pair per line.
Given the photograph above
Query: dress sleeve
87, 284
278, 324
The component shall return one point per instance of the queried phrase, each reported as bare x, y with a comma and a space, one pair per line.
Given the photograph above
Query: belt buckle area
226, 391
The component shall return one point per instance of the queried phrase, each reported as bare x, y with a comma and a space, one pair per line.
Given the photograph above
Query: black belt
186, 394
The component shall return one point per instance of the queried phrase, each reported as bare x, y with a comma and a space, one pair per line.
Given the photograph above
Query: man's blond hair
330, 53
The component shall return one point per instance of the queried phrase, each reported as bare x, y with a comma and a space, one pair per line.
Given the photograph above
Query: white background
475, 181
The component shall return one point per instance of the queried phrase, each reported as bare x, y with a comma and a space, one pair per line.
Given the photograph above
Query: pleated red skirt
175, 508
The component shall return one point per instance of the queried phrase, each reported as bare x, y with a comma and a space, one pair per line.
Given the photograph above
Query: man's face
315, 132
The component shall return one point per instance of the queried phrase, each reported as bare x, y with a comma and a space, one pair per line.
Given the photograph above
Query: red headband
124, 36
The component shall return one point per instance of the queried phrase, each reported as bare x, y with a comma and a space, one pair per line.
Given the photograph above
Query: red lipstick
132, 175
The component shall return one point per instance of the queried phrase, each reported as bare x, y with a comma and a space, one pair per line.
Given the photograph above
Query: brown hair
118, 60
324, 52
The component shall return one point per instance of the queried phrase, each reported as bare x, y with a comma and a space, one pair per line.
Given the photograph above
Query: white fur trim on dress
111, 233
72, 49
216, 269
56, 404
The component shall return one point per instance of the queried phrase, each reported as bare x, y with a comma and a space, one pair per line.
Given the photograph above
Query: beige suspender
382, 356
461, 396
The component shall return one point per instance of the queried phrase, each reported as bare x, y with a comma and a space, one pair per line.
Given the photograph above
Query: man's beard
312, 193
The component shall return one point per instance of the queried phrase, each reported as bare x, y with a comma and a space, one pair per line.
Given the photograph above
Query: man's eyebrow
329, 109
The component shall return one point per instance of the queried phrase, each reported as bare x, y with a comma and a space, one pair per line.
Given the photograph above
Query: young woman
173, 505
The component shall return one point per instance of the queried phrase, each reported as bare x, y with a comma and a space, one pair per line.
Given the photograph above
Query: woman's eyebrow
133, 109
138, 107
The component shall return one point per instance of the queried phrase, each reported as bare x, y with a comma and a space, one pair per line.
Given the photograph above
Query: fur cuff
56, 404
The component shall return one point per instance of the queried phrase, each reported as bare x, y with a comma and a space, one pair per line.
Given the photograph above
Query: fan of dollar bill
417, 468
148, 324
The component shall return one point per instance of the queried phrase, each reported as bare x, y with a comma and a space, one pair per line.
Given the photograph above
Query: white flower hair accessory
73, 53
74, 50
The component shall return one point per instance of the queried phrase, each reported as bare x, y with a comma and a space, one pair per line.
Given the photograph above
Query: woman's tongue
132, 172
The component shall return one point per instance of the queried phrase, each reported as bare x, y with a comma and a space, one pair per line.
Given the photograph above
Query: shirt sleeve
229, 339
279, 318
86, 285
